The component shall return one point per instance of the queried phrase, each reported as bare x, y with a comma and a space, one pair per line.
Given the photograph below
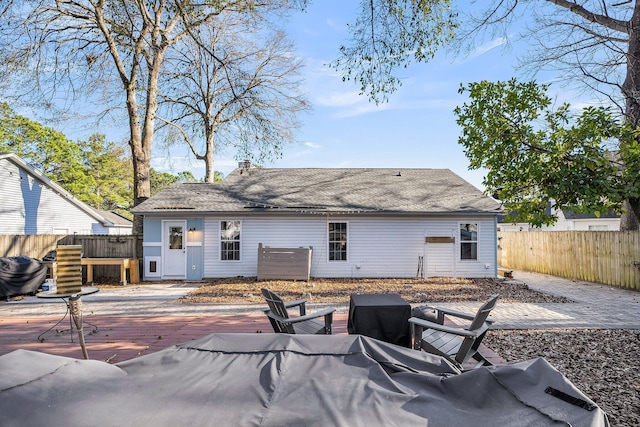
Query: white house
33, 204
359, 223
568, 221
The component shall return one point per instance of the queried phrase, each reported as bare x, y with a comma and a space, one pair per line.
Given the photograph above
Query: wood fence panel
93, 246
609, 257
33, 246
101, 246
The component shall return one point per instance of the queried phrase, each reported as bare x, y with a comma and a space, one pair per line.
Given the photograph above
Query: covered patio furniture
273, 380
282, 323
21, 275
457, 345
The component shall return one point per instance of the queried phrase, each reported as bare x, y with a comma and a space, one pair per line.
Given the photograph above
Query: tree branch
607, 21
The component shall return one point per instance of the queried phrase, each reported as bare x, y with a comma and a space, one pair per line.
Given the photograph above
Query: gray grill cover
20, 275
281, 380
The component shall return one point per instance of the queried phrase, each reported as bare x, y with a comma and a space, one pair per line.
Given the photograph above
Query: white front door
174, 249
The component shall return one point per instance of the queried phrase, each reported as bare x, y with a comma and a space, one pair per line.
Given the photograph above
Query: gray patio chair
303, 324
459, 346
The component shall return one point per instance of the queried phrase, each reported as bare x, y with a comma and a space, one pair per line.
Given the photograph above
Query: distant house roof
115, 218
103, 217
315, 190
571, 215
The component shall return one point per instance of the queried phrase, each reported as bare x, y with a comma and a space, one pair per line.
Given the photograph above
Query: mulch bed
246, 290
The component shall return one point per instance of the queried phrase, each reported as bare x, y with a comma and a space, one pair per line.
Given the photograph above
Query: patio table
381, 316
74, 310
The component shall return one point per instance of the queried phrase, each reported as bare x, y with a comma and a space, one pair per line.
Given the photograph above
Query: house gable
33, 204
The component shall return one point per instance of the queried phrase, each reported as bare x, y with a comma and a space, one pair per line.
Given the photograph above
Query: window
599, 227
468, 241
175, 237
230, 240
337, 241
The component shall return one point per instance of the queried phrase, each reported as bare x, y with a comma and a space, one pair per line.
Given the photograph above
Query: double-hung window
230, 240
337, 241
468, 241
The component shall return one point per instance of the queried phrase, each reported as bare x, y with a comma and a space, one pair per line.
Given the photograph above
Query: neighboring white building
33, 204
568, 221
359, 222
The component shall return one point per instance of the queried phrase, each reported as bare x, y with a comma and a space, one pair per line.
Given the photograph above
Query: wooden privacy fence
284, 263
93, 246
609, 257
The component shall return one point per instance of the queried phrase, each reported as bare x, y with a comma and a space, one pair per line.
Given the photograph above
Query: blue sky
415, 129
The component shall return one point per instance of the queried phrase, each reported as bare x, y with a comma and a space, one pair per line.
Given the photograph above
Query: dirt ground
244, 290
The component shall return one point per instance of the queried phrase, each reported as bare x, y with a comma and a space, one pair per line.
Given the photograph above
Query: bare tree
70, 49
593, 43
234, 83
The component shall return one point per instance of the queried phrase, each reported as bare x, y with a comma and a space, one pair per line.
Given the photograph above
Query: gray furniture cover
20, 275
282, 380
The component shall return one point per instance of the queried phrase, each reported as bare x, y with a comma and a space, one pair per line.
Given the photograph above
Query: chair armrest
325, 312
455, 313
425, 324
295, 303
300, 302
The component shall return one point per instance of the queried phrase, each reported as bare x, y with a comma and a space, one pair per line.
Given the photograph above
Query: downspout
495, 252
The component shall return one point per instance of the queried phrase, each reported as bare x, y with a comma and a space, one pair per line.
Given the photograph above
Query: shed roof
319, 190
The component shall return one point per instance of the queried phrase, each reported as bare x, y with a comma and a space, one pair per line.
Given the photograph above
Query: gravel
602, 363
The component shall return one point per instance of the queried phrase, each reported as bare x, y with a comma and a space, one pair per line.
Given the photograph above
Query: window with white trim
468, 241
230, 240
599, 227
337, 241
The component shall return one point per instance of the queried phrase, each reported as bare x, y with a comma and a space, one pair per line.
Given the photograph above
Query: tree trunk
629, 220
209, 172
209, 175
631, 91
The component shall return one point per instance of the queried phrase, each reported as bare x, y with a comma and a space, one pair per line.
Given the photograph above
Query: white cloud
312, 145
339, 99
481, 50
175, 164
362, 108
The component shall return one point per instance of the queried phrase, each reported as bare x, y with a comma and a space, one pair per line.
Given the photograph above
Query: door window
175, 237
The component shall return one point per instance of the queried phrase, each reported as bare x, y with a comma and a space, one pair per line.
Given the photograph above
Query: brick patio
125, 337
122, 338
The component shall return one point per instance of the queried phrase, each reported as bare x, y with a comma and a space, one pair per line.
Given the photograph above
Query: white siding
30, 207
595, 224
377, 247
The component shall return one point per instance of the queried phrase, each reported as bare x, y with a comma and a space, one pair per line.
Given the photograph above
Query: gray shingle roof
311, 190
115, 218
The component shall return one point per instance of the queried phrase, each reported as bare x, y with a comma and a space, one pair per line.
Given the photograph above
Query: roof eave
288, 212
